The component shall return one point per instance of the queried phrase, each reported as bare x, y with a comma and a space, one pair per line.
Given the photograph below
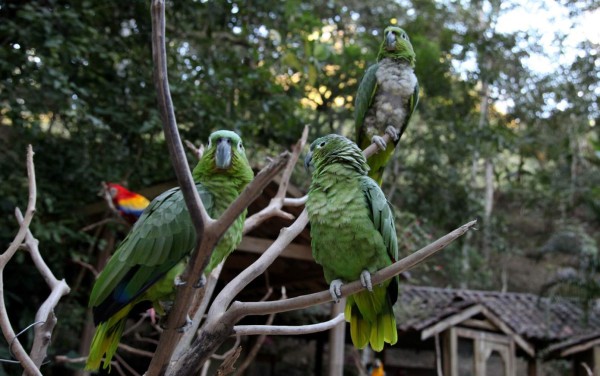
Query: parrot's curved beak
223, 155
390, 41
308, 161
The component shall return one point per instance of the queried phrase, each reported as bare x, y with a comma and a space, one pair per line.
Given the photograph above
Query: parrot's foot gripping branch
201, 282
186, 326
178, 281
335, 289
365, 280
380, 142
393, 132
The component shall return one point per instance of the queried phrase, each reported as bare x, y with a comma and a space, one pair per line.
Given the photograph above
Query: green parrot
386, 99
353, 235
146, 263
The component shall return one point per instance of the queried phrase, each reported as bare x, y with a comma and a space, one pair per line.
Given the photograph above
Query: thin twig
115, 363
137, 324
87, 266
274, 208
138, 337
261, 338
65, 359
227, 353
127, 366
227, 366
135, 351
45, 314
284, 330
103, 222
288, 201
198, 151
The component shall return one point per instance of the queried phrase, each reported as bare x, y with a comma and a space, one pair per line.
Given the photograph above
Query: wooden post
533, 366
596, 361
337, 340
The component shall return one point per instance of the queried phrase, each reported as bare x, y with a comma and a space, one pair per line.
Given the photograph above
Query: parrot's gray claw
166, 305
201, 282
335, 289
365, 280
393, 132
178, 281
379, 141
184, 327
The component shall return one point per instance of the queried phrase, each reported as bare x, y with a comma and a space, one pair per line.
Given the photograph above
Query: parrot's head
224, 154
333, 148
396, 45
117, 191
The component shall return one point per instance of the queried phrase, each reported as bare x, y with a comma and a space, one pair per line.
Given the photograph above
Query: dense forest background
495, 136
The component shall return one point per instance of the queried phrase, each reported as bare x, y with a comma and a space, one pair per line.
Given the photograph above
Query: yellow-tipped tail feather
371, 319
106, 340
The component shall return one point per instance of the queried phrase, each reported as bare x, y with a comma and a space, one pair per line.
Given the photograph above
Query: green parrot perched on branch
353, 235
386, 99
146, 263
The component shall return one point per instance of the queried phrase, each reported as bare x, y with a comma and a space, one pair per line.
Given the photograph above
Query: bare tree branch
261, 338
233, 288
282, 330
129, 368
67, 360
198, 151
208, 231
241, 309
275, 206
103, 222
227, 353
197, 312
135, 351
7, 329
198, 213
288, 201
221, 321
227, 367
45, 314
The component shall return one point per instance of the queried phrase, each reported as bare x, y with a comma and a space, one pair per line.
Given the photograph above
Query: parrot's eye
240, 146
321, 144
404, 36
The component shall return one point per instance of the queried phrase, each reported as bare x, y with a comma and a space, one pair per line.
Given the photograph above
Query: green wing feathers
382, 216
160, 239
364, 98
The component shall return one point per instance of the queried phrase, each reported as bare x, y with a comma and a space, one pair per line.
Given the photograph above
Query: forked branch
45, 320
208, 231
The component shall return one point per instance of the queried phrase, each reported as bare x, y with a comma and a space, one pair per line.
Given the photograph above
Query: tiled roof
535, 318
572, 341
